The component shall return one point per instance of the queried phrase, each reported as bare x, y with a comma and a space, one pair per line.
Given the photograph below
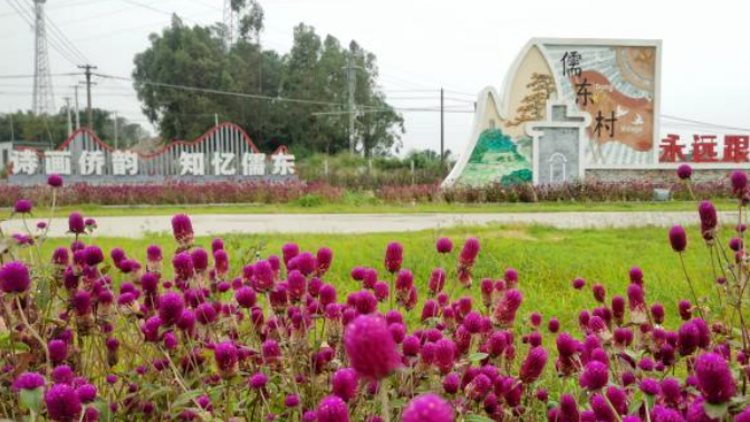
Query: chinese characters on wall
126, 163
705, 149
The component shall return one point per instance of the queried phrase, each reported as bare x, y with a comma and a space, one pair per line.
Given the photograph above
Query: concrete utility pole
89, 112
116, 137
70, 119
78, 116
351, 77
442, 126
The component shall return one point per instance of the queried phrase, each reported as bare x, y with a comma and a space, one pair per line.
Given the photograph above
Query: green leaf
715, 411
186, 397
476, 357
31, 399
478, 418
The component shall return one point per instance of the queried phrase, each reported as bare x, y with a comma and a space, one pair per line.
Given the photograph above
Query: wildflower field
467, 324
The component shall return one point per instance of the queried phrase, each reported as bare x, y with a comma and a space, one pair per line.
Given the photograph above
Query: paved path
138, 226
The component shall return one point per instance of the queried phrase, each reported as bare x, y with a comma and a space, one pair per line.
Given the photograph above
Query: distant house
6, 147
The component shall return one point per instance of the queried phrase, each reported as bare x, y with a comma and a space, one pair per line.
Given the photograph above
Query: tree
310, 82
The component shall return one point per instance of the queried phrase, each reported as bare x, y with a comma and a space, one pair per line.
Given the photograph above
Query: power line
228, 93
696, 122
26, 15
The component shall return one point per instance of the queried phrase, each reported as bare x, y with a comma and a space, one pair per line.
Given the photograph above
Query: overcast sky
421, 45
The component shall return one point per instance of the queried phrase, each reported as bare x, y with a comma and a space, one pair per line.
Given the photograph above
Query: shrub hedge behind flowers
88, 335
316, 193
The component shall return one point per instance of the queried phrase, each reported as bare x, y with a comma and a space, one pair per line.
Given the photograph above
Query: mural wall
614, 84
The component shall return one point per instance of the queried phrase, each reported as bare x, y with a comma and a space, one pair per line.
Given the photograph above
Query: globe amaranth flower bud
370, 347
63, 404
715, 380
332, 409
182, 228
428, 408
14, 277
678, 238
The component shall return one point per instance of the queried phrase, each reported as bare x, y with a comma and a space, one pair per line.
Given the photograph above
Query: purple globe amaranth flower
469, 252
199, 257
226, 357
245, 297
743, 416
370, 347
291, 400
87, 393
428, 408
81, 302
14, 277
685, 308
394, 257
205, 314
332, 409
715, 380
636, 301
258, 381
263, 276
445, 355
595, 376
344, 383
671, 391
553, 325
183, 266
505, 312
709, 219
444, 245
738, 179
579, 283
650, 386
55, 180
94, 255
678, 238
657, 312
533, 365
28, 381
23, 206
451, 383
437, 281
688, 338
684, 171
58, 351
289, 251
323, 259
568, 409
63, 404
182, 229
76, 223
153, 253
600, 293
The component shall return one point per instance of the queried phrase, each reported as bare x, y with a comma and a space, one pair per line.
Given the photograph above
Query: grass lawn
547, 260
355, 208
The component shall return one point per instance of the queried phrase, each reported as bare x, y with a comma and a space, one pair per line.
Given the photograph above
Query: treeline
53, 129
298, 99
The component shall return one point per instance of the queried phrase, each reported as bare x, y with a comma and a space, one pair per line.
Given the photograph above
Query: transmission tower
229, 23
44, 100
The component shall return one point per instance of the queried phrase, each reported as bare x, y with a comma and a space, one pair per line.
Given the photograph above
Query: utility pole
90, 115
12, 129
116, 138
442, 126
351, 77
78, 115
70, 119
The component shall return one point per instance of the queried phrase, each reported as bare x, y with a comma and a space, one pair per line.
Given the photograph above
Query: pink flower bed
88, 335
